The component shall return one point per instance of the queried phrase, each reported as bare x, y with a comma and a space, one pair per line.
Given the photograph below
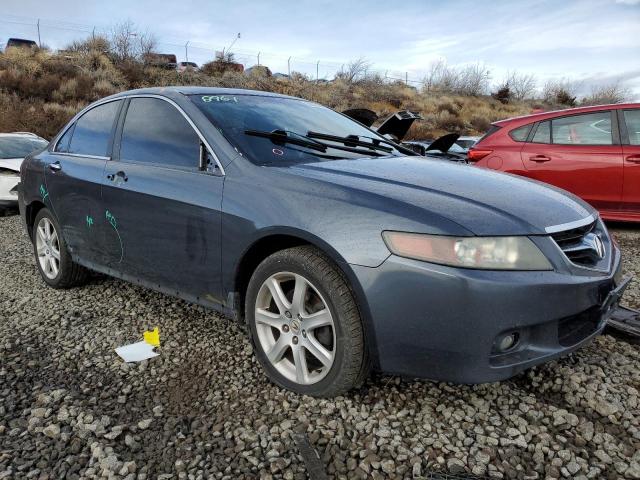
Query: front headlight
490, 253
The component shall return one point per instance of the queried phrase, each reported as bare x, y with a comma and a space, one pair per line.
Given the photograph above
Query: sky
590, 42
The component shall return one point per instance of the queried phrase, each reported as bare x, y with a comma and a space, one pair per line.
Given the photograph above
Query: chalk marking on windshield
218, 98
114, 223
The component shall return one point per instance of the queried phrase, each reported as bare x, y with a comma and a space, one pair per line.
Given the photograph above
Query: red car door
630, 129
579, 153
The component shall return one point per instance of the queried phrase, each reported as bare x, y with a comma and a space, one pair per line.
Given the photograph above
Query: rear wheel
305, 324
52, 257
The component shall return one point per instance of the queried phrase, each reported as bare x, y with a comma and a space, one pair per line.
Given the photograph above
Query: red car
593, 152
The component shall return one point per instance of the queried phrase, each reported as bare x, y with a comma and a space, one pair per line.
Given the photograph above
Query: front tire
305, 325
53, 259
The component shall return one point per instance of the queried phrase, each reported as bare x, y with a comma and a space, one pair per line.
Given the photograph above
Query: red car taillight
475, 155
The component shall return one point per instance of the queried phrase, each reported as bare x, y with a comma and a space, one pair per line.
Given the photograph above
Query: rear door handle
633, 158
539, 158
55, 167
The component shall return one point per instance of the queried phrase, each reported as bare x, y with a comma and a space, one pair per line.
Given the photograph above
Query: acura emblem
595, 242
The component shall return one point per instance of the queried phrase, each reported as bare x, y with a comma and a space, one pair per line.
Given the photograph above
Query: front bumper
442, 323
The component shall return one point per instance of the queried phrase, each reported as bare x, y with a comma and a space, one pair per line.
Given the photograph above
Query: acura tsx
341, 251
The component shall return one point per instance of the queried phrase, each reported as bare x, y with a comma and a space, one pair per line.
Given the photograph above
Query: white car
13, 148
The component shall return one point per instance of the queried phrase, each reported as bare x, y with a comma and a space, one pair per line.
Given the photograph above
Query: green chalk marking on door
43, 192
111, 219
89, 221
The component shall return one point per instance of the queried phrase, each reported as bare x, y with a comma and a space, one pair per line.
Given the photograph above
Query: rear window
493, 129
17, 147
520, 134
632, 120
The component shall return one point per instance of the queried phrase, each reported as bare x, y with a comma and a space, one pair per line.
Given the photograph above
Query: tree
503, 94
127, 44
521, 85
605, 94
560, 91
355, 69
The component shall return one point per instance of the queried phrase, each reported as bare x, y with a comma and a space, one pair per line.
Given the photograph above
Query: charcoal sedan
341, 251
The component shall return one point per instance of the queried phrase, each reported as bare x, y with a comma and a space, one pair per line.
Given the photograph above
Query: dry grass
40, 91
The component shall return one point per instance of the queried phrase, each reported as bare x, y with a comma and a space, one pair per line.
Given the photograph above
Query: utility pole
39, 41
317, 71
186, 51
406, 78
258, 58
289, 66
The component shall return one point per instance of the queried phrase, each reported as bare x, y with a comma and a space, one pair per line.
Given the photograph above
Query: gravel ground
203, 409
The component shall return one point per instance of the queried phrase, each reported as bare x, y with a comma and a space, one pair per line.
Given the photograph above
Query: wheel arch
272, 241
31, 212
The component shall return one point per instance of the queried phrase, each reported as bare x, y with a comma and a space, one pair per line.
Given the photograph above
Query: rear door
579, 153
630, 130
164, 213
73, 179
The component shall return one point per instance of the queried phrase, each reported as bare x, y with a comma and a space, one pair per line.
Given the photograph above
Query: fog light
507, 342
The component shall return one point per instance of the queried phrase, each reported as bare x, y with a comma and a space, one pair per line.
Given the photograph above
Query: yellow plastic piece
152, 337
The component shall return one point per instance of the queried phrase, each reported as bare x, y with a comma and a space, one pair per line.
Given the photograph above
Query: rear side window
92, 131
520, 134
632, 120
543, 133
155, 132
63, 143
586, 129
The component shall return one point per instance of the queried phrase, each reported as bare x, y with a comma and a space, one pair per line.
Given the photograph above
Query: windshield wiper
350, 140
286, 136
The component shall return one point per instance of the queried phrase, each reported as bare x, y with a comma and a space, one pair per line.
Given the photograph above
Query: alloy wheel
48, 248
295, 328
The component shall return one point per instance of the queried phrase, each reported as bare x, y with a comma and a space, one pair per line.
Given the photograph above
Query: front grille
580, 245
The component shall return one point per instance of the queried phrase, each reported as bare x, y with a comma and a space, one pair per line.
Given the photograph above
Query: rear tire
53, 259
305, 324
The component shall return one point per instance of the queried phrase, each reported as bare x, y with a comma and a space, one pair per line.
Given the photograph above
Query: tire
316, 346
68, 273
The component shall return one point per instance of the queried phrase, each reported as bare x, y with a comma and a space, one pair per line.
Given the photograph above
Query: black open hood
397, 125
443, 143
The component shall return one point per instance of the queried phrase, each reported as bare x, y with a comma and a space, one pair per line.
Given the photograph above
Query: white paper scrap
136, 352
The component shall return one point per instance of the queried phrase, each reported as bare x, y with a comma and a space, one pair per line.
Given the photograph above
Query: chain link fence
57, 35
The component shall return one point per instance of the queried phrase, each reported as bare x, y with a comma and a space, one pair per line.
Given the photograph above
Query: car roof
194, 90
534, 117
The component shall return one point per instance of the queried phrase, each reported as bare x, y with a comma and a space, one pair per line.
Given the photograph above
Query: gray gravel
203, 409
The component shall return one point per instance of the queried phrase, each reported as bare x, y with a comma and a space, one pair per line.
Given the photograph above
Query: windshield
20, 147
235, 115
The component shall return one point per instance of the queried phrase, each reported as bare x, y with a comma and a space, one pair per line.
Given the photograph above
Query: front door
164, 214
631, 154
73, 179
581, 154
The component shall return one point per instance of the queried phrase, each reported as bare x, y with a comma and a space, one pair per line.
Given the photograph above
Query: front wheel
305, 324
54, 261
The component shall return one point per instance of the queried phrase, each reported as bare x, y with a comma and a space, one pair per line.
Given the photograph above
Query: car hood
481, 201
11, 163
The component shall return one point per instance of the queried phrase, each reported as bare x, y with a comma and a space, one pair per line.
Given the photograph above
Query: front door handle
539, 158
117, 176
633, 158
55, 167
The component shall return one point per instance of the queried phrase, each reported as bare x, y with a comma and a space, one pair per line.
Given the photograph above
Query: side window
155, 132
63, 143
520, 134
92, 132
632, 119
586, 129
543, 133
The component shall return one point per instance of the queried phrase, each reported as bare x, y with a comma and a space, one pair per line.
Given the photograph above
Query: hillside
40, 91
